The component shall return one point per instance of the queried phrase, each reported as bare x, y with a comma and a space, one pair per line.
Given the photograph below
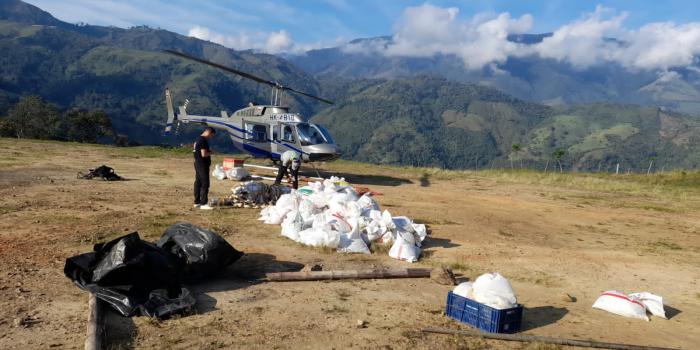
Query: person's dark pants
282, 171
201, 183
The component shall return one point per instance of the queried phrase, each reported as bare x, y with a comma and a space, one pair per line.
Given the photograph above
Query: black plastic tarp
199, 252
136, 277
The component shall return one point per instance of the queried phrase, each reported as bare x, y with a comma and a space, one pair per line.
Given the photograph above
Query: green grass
152, 152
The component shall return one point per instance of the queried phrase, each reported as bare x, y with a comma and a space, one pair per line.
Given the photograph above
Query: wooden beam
260, 166
348, 274
95, 324
539, 339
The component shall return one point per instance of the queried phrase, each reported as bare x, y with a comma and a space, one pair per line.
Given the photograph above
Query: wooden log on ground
95, 324
348, 274
540, 339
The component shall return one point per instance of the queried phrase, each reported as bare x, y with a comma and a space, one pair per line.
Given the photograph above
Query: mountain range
532, 78
390, 110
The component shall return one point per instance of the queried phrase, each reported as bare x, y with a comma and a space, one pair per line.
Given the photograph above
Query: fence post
617, 169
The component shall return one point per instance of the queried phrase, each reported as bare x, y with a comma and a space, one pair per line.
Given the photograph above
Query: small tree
31, 117
558, 154
516, 148
87, 126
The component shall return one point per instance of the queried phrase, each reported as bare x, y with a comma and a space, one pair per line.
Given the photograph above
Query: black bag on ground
199, 252
125, 272
141, 278
103, 172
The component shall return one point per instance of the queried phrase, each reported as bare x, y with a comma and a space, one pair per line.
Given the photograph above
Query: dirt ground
547, 237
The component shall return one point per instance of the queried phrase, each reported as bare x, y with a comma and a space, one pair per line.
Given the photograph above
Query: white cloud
585, 42
278, 42
428, 30
267, 42
480, 41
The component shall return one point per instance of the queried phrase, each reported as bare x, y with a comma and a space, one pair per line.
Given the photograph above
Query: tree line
33, 118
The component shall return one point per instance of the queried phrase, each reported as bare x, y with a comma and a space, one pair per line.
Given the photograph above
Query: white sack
653, 303
367, 204
319, 238
292, 225
494, 290
404, 248
352, 242
237, 173
218, 172
338, 223
464, 289
621, 304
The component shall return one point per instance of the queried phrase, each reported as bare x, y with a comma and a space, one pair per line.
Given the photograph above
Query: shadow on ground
433, 242
535, 317
671, 311
247, 271
357, 179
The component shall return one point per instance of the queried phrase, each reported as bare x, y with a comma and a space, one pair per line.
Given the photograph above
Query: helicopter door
257, 142
285, 136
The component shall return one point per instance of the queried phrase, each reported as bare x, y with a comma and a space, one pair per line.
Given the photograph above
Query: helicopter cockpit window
256, 132
325, 132
287, 133
309, 134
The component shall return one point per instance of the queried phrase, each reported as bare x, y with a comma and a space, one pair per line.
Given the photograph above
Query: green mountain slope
435, 122
124, 72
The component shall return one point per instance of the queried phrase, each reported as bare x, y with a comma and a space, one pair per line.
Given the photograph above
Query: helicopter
262, 131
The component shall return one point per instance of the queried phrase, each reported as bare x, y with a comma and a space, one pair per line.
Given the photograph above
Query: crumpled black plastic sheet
199, 252
136, 277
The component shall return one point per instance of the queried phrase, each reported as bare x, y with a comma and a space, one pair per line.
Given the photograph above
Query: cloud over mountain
595, 38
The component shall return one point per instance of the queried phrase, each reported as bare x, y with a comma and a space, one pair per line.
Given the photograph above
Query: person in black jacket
202, 162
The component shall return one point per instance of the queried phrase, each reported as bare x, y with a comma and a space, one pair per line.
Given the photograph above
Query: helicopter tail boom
171, 113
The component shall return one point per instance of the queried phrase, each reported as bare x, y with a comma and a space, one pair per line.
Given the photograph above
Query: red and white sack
620, 304
654, 303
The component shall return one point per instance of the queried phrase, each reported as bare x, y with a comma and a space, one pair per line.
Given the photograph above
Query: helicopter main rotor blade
245, 75
307, 95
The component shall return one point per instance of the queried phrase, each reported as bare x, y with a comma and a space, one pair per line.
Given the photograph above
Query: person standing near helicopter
202, 162
290, 160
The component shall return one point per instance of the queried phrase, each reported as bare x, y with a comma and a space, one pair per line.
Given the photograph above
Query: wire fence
587, 166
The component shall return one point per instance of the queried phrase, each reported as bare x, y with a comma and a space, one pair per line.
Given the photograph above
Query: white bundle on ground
633, 305
331, 214
494, 290
218, 172
237, 173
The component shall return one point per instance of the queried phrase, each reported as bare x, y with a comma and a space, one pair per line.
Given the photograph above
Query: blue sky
658, 35
325, 21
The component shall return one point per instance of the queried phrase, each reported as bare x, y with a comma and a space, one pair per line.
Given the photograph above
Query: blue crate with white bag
483, 316
502, 314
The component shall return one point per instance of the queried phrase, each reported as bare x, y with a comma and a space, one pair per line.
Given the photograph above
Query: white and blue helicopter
263, 131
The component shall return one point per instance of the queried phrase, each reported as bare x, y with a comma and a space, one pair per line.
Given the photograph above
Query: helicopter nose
323, 152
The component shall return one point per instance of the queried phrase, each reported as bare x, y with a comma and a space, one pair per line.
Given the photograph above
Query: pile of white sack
490, 289
332, 214
235, 173
633, 305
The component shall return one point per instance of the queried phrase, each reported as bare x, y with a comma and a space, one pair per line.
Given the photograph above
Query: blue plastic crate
483, 316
